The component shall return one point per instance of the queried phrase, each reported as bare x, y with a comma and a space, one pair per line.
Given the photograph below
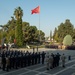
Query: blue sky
52, 12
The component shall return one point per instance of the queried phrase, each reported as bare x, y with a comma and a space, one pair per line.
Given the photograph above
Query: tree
50, 35
25, 28
68, 27
31, 33
42, 34
64, 29
18, 13
22, 32
55, 34
10, 28
73, 35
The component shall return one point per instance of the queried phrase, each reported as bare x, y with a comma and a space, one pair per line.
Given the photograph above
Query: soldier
26, 55
51, 61
58, 59
21, 60
3, 62
24, 60
47, 62
7, 63
38, 57
13, 61
0, 61
55, 60
33, 55
43, 57
29, 59
16, 61
10, 64
63, 57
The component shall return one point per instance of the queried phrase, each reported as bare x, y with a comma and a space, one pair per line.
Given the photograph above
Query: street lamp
4, 28
1, 34
1, 26
1, 37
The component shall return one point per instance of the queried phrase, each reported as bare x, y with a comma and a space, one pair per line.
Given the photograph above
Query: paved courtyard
40, 69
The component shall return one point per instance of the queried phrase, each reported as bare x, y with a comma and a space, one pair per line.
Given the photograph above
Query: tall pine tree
18, 29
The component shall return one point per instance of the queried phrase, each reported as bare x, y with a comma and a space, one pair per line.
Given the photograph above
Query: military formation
18, 59
53, 60
14, 59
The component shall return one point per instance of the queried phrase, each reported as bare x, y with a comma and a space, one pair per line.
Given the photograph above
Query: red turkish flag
35, 10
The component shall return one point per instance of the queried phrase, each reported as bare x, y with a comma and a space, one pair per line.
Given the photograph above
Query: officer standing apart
63, 57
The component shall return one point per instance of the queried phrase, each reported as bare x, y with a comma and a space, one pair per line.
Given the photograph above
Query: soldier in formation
18, 59
63, 57
52, 60
47, 62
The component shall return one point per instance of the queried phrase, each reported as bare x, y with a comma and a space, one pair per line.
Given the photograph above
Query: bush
67, 40
72, 47
51, 46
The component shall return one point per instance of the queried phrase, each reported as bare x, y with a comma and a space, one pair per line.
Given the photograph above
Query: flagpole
37, 11
39, 28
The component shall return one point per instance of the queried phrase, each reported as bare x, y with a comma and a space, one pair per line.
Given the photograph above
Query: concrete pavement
40, 69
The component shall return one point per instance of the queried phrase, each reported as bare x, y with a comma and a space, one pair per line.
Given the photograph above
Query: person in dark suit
3, 62
29, 59
36, 56
7, 63
43, 57
57, 59
33, 57
39, 57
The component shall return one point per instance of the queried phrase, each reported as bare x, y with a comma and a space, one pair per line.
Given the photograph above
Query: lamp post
1, 34
1, 37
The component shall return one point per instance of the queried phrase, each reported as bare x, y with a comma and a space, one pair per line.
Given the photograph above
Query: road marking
33, 71
43, 71
64, 69
24, 72
69, 62
73, 67
73, 74
11, 71
53, 74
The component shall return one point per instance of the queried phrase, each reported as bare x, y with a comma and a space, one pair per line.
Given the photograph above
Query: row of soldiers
54, 59
18, 59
